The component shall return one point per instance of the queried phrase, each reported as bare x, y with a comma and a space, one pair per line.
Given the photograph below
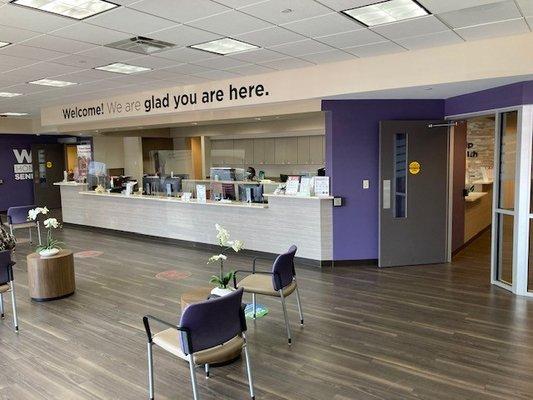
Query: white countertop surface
176, 200
69, 183
299, 197
474, 196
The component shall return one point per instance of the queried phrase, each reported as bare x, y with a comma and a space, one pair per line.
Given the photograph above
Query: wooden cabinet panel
270, 151
291, 150
281, 147
259, 151
222, 152
316, 150
248, 151
303, 150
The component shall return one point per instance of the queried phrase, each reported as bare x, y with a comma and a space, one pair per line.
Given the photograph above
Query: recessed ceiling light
13, 114
4, 44
51, 82
386, 12
121, 68
76, 9
224, 46
9, 94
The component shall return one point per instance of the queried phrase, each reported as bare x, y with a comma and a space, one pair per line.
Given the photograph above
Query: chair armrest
254, 261
146, 322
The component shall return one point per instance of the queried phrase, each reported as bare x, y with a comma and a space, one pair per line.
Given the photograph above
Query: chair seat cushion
169, 340
4, 288
262, 284
22, 225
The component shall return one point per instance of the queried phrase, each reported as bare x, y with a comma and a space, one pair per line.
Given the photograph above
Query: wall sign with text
22, 167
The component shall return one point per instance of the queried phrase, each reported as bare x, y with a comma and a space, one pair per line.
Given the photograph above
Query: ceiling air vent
141, 45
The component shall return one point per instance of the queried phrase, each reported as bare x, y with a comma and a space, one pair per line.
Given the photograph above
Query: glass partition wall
512, 211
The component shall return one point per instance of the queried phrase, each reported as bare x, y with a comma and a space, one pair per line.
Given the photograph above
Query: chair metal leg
193, 377
286, 316
248, 368
14, 305
206, 367
150, 372
2, 305
254, 303
39, 232
299, 305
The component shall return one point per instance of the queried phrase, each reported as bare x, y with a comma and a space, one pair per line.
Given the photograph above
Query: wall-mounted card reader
338, 202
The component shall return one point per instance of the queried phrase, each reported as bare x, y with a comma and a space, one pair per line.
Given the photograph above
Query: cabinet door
281, 147
303, 150
316, 150
222, 152
270, 151
291, 150
238, 151
259, 151
248, 146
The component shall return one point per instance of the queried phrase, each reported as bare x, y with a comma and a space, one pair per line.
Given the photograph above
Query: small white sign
201, 194
321, 186
186, 196
293, 185
305, 187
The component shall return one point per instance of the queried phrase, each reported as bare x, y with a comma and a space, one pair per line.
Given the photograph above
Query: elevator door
413, 193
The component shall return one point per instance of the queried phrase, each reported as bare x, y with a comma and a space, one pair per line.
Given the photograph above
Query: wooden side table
51, 278
197, 295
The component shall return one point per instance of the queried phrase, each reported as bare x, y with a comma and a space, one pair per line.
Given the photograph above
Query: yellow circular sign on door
414, 167
49, 164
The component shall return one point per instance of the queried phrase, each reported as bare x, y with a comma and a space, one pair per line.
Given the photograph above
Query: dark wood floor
426, 332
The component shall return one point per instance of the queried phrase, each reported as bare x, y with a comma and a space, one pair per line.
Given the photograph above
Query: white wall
109, 150
133, 157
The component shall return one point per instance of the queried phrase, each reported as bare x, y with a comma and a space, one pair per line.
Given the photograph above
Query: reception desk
271, 228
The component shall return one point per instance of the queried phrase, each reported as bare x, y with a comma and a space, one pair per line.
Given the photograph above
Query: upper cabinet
298, 150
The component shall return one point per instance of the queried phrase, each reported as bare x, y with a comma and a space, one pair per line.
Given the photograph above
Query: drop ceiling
290, 34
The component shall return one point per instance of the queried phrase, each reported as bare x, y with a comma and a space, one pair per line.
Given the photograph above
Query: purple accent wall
500, 97
352, 154
15, 192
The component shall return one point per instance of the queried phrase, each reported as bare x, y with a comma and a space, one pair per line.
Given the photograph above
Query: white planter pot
221, 292
48, 253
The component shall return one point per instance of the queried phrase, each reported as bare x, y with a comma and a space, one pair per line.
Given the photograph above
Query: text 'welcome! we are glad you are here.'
167, 101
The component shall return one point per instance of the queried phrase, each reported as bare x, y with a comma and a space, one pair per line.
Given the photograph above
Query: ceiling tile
58, 44
306, 46
375, 49
89, 75
526, 6
481, 14
151, 62
230, 23
284, 11
107, 54
238, 3
270, 37
432, 40
185, 55
78, 60
259, 55
188, 69
327, 57
183, 35
130, 21
440, 6
323, 25
9, 62
14, 35
287, 63
220, 62
504, 28
340, 5
354, 38
90, 34
33, 53
180, 10
412, 27
33, 20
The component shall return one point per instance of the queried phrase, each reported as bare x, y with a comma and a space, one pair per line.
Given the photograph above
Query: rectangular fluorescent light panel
9, 94
77, 9
224, 46
51, 82
386, 12
13, 114
4, 44
121, 68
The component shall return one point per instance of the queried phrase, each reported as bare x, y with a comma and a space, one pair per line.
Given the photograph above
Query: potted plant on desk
222, 280
51, 246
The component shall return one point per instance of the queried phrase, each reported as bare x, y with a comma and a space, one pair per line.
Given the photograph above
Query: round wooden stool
197, 295
51, 278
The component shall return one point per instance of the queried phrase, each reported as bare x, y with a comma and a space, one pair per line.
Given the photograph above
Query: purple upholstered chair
281, 282
207, 333
17, 218
7, 284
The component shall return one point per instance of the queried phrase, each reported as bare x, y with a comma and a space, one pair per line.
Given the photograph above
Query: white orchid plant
50, 224
222, 280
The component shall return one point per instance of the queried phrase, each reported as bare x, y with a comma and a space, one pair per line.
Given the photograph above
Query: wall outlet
337, 202
366, 184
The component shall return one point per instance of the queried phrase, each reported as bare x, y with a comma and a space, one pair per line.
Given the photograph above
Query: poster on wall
84, 158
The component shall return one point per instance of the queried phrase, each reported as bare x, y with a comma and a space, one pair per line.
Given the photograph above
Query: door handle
386, 194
